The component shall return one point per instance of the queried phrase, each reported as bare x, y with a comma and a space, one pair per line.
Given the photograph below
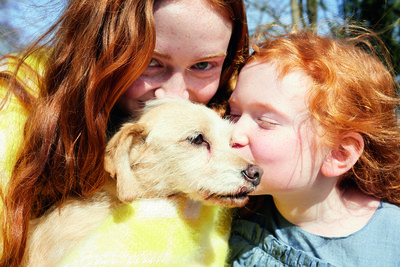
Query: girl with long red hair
100, 62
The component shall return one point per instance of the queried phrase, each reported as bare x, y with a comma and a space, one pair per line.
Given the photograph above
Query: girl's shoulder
388, 207
386, 219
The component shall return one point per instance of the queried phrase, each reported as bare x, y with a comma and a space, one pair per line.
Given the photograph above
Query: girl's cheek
136, 89
204, 92
263, 149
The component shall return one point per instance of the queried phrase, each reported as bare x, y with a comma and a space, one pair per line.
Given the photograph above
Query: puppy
176, 156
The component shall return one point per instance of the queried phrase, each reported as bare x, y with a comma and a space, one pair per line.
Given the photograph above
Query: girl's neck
340, 213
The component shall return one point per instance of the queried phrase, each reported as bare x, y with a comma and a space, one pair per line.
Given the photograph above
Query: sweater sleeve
13, 115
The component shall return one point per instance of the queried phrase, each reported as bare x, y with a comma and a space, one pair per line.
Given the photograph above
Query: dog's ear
119, 152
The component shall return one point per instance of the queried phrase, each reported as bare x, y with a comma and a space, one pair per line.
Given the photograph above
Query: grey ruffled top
267, 239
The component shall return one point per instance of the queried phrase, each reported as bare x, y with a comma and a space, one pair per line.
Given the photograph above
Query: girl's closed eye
234, 113
233, 117
267, 123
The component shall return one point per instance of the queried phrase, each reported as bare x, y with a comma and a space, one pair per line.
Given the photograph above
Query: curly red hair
353, 89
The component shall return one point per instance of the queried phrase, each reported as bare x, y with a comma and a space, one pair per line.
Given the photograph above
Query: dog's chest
174, 231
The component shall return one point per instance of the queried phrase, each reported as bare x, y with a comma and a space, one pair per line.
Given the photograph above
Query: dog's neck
173, 206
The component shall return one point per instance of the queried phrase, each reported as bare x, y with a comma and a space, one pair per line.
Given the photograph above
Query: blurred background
21, 21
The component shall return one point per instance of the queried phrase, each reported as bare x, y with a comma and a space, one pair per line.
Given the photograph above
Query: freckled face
272, 127
191, 44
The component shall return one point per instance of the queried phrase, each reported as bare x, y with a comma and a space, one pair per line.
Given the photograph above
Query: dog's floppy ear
119, 152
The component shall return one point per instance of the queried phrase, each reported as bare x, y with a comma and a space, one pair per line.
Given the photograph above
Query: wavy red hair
96, 50
354, 89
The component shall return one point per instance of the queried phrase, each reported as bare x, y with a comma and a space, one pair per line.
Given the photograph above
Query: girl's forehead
260, 83
294, 82
257, 63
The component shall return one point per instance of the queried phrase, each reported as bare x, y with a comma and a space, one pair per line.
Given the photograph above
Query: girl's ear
344, 156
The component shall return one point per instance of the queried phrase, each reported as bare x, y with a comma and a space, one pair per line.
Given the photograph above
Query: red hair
353, 89
238, 50
97, 50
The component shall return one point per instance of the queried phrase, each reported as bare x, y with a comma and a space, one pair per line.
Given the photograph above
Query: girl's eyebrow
271, 109
268, 107
212, 56
161, 55
204, 58
259, 104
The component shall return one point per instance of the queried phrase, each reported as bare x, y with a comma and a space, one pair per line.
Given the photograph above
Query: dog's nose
253, 174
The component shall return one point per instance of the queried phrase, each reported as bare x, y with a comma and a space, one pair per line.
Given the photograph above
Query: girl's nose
239, 135
174, 87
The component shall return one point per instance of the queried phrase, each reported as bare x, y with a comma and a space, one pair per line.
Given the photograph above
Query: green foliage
380, 16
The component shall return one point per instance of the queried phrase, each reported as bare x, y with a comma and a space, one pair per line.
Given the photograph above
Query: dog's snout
253, 174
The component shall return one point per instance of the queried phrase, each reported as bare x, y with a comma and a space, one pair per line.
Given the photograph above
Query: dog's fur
174, 148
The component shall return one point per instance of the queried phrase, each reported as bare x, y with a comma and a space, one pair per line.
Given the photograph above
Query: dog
175, 161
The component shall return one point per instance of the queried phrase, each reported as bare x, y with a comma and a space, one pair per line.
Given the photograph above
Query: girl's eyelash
199, 65
154, 63
267, 123
205, 66
232, 117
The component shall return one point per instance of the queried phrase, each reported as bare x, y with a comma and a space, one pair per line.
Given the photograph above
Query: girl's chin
259, 191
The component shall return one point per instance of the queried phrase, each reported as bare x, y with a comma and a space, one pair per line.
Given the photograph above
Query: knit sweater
13, 115
157, 232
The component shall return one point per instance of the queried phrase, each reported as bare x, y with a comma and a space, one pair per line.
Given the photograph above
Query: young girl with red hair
97, 66
319, 114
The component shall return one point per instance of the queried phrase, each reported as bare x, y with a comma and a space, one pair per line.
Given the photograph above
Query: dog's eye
199, 140
196, 140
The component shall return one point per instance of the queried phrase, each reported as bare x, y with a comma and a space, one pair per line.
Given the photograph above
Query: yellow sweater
157, 232
13, 116
12, 120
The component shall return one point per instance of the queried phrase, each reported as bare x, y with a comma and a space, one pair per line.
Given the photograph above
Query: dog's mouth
231, 200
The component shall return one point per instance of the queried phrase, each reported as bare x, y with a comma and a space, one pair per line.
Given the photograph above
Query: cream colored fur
174, 148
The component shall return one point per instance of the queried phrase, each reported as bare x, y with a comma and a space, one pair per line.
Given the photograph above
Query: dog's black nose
253, 174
